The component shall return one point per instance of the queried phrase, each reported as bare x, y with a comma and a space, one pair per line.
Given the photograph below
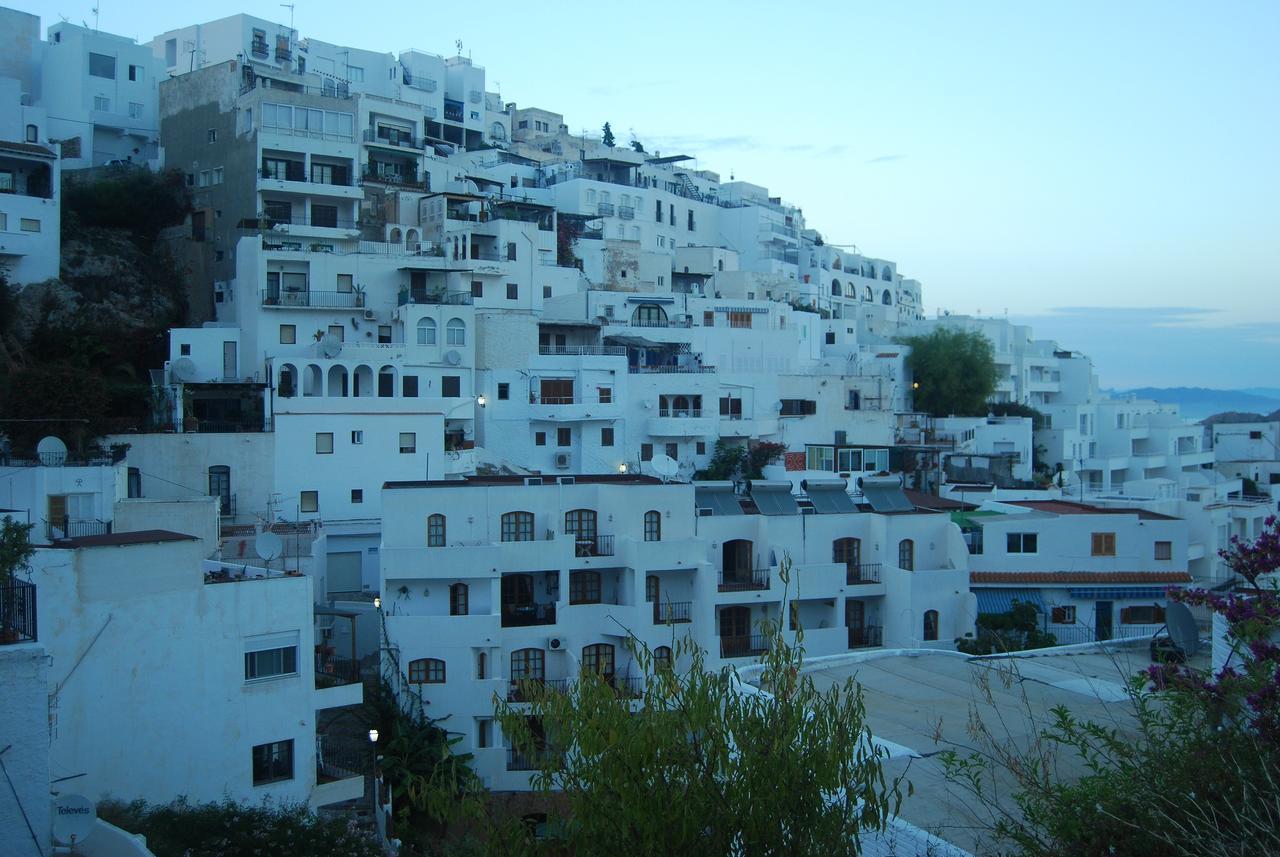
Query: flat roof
942, 504
1069, 507
547, 479
669, 159
1074, 577
918, 704
138, 537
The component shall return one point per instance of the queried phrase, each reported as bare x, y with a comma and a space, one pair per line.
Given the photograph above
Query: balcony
279, 225
695, 369
605, 209
69, 528
526, 615
744, 646
311, 299
528, 760
486, 255
672, 612
340, 771
866, 636
396, 178
338, 682
385, 137
744, 579
626, 212
593, 546
683, 423
17, 613
867, 572
453, 110
524, 689
582, 350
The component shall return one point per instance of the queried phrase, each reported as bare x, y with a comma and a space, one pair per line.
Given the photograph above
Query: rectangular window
346, 283
673, 450
410, 387
546, 291
384, 334
135, 110
288, 334
272, 762
1064, 615
271, 663
357, 437
657, 211
102, 103
1147, 614
798, 407
605, 394
739, 319
646, 452
606, 436
324, 443
691, 220
1164, 550
820, 458
701, 448
484, 733
309, 501
101, 65
408, 442
564, 437
513, 292
477, 288
1020, 542
539, 438
29, 224
212, 136
135, 72
708, 318
511, 251
357, 495
451, 386
1103, 544
504, 391
337, 332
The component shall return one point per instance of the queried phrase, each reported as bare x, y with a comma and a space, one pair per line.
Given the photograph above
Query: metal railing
341, 761
582, 350
60, 459
309, 298
628, 687
486, 255
681, 413
605, 209
226, 502
867, 572
672, 612
525, 615
407, 141
743, 646
68, 528
593, 545
866, 636
743, 579
17, 612
445, 298
670, 370
391, 177
268, 222
527, 760
1066, 635
334, 671
626, 212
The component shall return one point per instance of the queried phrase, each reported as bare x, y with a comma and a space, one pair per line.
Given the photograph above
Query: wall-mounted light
480, 400
622, 468
373, 736
377, 602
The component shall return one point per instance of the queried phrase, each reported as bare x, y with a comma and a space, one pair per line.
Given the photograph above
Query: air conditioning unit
555, 644
704, 512
533, 480
562, 460
370, 315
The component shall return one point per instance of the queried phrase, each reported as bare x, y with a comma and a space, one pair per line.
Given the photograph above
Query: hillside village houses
427, 323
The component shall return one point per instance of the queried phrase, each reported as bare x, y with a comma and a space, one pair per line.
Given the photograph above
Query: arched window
584, 587
835, 288
907, 555
517, 526
663, 661
288, 386
848, 551
930, 625
395, 234
33, 134
498, 131
652, 526
651, 589
886, 274
598, 658
411, 236
482, 665
581, 525
426, 671
868, 295
337, 380
836, 264
435, 531
886, 298
426, 331
649, 315
387, 382
455, 332
458, 600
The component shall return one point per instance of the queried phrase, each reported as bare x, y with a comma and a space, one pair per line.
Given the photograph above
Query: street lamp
373, 736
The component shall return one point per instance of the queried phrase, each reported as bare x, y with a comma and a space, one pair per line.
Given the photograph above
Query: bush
138, 201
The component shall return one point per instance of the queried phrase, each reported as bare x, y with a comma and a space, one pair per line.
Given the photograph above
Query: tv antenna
289, 6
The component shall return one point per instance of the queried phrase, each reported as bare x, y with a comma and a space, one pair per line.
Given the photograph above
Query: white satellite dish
268, 545
665, 466
330, 346
74, 817
183, 369
453, 358
51, 451
1182, 628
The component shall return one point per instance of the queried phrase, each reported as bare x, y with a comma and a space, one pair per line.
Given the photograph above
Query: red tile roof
1075, 577
140, 537
1068, 507
27, 148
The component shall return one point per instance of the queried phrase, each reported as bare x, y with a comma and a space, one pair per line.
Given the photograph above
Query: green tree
16, 549
953, 372
699, 762
606, 136
1015, 630
637, 146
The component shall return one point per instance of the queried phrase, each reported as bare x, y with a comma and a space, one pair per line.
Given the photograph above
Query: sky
1107, 172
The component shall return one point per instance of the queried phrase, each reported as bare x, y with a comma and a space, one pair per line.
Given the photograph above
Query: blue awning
1001, 600
1146, 593
651, 299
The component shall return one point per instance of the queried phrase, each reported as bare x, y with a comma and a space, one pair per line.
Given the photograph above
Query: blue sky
1119, 159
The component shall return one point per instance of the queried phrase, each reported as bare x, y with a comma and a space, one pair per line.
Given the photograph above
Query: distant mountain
1199, 402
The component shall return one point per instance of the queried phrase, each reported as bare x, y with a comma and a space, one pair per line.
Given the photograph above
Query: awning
887, 498
829, 498
774, 498
1001, 600
1146, 593
755, 310
669, 159
719, 497
651, 299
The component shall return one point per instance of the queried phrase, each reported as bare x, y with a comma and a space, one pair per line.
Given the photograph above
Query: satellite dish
665, 466
1182, 628
74, 818
183, 369
330, 346
268, 545
51, 451
453, 358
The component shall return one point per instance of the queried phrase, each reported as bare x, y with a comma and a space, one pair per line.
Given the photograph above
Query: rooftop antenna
289, 6
458, 42
95, 16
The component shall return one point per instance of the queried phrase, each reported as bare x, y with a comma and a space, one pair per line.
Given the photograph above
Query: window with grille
517, 526
651, 588
458, 598
435, 531
652, 526
1164, 550
426, 671
584, 587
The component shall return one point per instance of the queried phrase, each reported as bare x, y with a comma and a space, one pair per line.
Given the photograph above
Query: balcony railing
866, 636
681, 413
605, 209
672, 612
670, 370
626, 212
524, 615
269, 222
867, 572
341, 761
593, 546
744, 579
486, 255
320, 300
68, 528
628, 687
744, 646
17, 612
60, 459
334, 671
524, 689
527, 760
582, 350
407, 141
391, 177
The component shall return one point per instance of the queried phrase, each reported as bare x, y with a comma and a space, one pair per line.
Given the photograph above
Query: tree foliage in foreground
702, 763
1195, 772
955, 371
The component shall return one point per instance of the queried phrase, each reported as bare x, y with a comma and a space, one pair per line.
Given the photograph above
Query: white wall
24, 733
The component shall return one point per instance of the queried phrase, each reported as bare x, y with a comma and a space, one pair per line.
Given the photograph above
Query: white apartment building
1093, 573
492, 580
1248, 451
30, 211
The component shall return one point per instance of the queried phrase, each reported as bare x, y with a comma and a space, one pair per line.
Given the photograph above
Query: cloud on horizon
884, 159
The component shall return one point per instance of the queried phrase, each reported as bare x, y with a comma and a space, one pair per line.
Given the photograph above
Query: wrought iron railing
17, 612
593, 546
672, 612
743, 646
334, 671
865, 636
524, 615
743, 579
867, 572
69, 528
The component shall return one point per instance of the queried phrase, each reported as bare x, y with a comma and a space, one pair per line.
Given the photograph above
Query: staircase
690, 189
